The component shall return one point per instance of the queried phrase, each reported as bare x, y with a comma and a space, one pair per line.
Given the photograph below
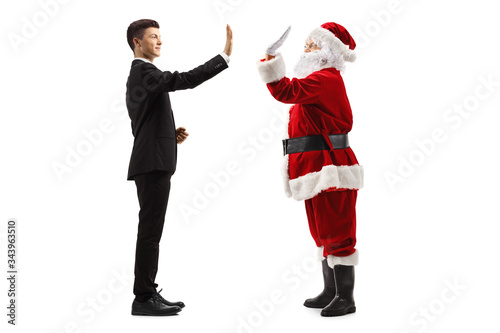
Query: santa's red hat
337, 38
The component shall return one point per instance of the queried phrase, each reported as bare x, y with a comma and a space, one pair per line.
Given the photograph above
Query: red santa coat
321, 107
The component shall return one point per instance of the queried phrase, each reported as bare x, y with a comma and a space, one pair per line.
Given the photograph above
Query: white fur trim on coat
284, 161
351, 260
307, 186
272, 70
333, 42
284, 174
319, 255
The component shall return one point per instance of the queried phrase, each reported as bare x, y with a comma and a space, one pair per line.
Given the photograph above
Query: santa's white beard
310, 62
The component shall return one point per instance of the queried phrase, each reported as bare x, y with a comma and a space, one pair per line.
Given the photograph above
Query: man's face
150, 45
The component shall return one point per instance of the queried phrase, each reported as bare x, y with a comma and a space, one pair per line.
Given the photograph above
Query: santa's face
316, 58
311, 46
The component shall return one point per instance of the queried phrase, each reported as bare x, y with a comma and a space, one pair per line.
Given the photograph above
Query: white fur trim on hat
351, 260
272, 70
333, 42
307, 186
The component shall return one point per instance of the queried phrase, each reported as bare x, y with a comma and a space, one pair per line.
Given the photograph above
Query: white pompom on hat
338, 39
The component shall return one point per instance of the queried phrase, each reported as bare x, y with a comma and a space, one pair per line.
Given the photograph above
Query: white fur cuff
351, 260
272, 70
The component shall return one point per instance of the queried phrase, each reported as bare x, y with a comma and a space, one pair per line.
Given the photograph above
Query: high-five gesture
228, 49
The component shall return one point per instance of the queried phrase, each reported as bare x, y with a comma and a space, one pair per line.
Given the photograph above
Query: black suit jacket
148, 104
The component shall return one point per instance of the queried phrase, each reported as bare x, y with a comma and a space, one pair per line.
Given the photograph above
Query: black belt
314, 142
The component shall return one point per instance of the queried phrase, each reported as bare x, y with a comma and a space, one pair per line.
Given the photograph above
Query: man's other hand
181, 135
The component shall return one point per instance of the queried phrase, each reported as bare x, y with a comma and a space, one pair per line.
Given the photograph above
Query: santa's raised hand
271, 50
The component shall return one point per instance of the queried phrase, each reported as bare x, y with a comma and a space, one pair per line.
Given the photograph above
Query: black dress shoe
164, 301
153, 307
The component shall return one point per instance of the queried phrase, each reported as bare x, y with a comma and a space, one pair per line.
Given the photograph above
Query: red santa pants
332, 221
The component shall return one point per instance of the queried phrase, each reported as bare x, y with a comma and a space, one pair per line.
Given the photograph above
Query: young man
154, 155
319, 166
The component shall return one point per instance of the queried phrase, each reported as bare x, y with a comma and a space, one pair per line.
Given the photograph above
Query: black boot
343, 303
328, 293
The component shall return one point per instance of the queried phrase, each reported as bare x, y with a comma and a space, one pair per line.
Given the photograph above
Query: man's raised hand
228, 49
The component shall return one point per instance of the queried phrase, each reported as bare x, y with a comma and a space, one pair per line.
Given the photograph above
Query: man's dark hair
136, 30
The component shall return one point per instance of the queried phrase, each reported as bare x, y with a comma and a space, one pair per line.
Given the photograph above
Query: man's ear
136, 42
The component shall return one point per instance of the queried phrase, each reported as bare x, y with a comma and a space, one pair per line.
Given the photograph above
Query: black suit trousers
153, 189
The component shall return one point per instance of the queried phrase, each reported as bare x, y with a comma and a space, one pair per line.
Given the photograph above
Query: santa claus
319, 166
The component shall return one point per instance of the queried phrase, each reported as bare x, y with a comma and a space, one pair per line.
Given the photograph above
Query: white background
434, 227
